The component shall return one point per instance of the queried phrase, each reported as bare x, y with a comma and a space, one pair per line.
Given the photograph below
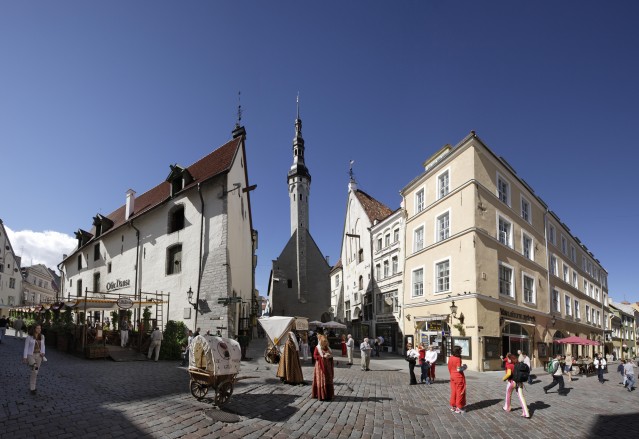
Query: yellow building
489, 267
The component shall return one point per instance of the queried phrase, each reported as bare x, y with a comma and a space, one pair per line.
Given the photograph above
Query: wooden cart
214, 363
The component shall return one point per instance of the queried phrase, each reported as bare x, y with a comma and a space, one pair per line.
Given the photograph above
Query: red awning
573, 339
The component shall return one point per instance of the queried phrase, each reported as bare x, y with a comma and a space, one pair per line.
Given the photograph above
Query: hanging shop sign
124, 303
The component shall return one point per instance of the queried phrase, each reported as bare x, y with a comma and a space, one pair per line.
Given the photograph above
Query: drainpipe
135, 291
547, 264
199, 275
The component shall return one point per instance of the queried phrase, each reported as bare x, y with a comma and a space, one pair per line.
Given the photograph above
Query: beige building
489, 267
40, 285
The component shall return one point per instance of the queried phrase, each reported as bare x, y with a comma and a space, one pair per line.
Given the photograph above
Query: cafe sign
118, 284
515, 315
124, 303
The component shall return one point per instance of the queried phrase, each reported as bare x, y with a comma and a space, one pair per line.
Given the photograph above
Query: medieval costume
323, 373
290, 369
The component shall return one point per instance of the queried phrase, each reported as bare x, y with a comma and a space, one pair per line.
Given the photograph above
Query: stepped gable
373, 208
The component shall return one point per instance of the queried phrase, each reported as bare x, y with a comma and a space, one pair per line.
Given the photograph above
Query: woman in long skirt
323, 372
343, 345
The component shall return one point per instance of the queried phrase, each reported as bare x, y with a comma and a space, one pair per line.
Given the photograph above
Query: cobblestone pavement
106, 399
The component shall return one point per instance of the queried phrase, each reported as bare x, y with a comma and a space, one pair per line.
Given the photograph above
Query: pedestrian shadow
482, 404
537, 405
359, 399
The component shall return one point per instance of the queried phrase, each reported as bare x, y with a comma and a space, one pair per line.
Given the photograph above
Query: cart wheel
223, 393
198, 389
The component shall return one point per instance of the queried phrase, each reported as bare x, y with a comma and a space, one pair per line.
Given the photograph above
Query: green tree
174, 338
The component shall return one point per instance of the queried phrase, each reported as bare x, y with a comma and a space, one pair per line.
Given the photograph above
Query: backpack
521, 373
551, 367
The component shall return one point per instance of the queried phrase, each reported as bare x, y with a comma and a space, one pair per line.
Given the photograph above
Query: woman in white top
431, 358
34, 355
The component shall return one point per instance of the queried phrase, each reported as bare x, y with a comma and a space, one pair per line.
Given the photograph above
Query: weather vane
239, 108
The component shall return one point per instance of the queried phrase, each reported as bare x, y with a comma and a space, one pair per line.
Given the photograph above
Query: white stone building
10, 274
192, 233
356, 256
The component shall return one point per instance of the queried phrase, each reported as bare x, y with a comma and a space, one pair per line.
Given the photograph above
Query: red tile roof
373, 208
215, 163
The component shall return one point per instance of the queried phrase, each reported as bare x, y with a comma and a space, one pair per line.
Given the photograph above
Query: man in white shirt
365, 351
156, 343
350, 345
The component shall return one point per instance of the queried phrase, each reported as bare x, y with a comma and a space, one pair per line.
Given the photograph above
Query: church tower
299, 180
299, 188
299, 283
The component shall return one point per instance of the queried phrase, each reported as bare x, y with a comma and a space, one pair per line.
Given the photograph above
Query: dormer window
101, 224
176, 218
178, 178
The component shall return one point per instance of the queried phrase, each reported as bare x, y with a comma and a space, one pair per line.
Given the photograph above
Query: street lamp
190, 297
453, 313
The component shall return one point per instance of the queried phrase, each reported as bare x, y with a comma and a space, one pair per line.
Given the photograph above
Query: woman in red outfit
343, 345
457, 381
323, 373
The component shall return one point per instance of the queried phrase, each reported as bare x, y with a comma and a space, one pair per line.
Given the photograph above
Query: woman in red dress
323, 373
457, 381
343, 345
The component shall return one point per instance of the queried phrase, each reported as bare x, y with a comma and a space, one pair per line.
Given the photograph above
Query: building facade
388, 276
489, 267
357, 309
623, 330
10, 274
299, 282
186, 244
39, 284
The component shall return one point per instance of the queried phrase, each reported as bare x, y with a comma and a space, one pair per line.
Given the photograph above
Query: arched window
361, 282
361, 255
176, 218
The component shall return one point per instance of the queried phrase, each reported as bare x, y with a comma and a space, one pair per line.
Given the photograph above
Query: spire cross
239, 108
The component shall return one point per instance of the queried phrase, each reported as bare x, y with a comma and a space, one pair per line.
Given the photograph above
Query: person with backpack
555, 370
516, 375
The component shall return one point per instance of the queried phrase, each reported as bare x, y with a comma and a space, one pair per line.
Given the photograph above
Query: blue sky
100, 97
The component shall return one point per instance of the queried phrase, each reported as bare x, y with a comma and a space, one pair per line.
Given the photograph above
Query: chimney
130, 204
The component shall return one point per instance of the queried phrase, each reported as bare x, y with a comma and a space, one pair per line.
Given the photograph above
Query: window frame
447, 278
413, 284
556, 300
503, 265
567, 305
446, 173
525, 214
525, 235
508, 187
510, 243
415, 230
171, 258
438, 229
533, 292
420, 204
